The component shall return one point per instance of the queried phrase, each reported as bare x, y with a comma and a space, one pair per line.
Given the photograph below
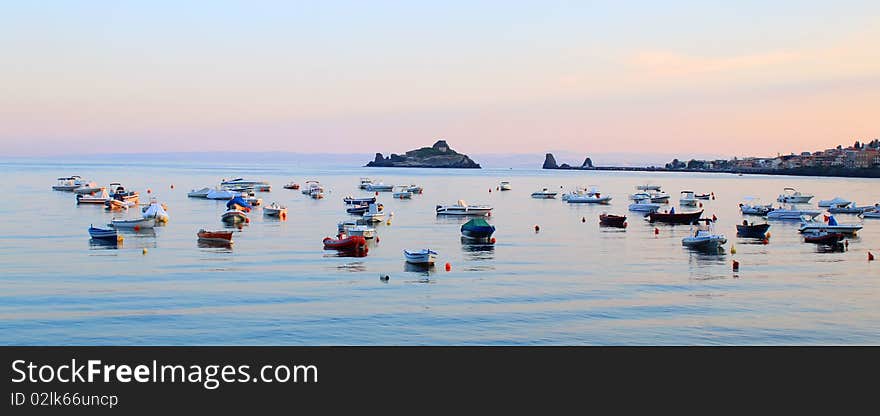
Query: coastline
810, 172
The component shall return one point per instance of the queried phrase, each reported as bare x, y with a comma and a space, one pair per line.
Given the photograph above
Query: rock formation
440, 155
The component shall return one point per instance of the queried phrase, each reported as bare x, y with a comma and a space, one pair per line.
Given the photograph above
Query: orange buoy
492, 240
247, 220
537, 228
149, 190
144, 251
624, 224
870, 256
701, 204
283, 216
735, 266
137, 227
377, 193
656, 231
448, 267
765, 240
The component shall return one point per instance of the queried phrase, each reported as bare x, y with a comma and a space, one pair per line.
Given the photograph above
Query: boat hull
677, 218
618, 221
752, 231
353, 242
420, 257
144, 223
215, 236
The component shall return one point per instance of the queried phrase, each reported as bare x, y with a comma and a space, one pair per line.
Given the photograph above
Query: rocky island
550, 163
440, 155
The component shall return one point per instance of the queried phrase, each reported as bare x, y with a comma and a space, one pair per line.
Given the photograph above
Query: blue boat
357, 209
238, 200
477, 228
102, 234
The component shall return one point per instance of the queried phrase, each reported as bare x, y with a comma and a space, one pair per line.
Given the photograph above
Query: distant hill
440, 155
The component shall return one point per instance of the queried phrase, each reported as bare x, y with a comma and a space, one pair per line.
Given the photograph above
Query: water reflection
209, 244
103, 244
422, 269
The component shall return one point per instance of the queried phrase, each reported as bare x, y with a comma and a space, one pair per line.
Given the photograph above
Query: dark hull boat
752, 230
359, 201
358, 209
477, 228
823, 237
675, 218
103, 234
609, 220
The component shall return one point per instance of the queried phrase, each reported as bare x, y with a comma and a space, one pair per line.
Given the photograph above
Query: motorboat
317, 193
610, 220
753, 206
809, 224
234, 216
117, 205
135, 224
345, 242
94, 198
874, 214
423, 256
704, 239
240, 203
215, 236
688, 198
823, 237
850, 208
791, 213
591, 196
478, 229
374, 213
673, 217
504, 186
265, 187
221, 194
241, 182
275, 210
703, 196
118, 192
252, 199
659, 197
752, 230
544, 193
291, 185
462, 208
88, 188
350, 200
648, 187
644, 206
415, 189
103, 233
357, 228
379, 187
793, 196
200, 193
834, 202
365, 182
312, 185
156, 211
68, 184
358, 209
640, 196
402, 192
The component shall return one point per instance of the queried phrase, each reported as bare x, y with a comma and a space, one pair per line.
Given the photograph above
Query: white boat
379, 187
688, 198
808, 224
591, 196
544, 193
312, 186
704, 239
402, 192
423, 256
644, 206
156, 211
462, 208
791, 213
836, 201
94, 198
241, 182
354, 228
275, 210
220, 194
234, 216
317, 193
659, 197
139, 223
753, 206
200, 193
415, 189
648, 187
68, 184
640, 196
252, 199
88, 188
850, 208
504, 186
365, 182
793, 196
374, 213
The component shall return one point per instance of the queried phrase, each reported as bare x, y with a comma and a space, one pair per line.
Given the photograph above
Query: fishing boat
591, 196
415, 189
316, 193
357, 228
234, 216
793, 196
67, 184
118, 192
504, 186
221, 194
345, 242
704, 239
477, 228
850, 208
544, 193
136, 223
103, 233
424, 256
291, 185
156, 211
823, 237
402, 192
350, 200
791, 213
644, 206
94, 198
275, 210
311, 185
834, 202
808, 224
752, 230
365, 182
462, 208
610, 220
199, 193
673, 217
374, 213
215, 236
379, 187
688, 199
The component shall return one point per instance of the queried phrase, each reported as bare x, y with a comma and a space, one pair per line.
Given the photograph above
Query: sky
586, 77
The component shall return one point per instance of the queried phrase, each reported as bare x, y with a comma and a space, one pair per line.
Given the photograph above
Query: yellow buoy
388, 222
732, 249
144, 251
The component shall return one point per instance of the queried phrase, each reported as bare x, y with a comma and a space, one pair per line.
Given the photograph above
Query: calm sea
570, 283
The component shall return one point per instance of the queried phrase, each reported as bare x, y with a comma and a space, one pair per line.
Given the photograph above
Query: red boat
610, 220
343, 242
220, 236
823, 238
675, 218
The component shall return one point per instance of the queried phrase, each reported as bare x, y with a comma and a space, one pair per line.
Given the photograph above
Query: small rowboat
234, 216
424, 256
823, 237
610, 220
135, 224
215, 236
275, 210
103, 234
702, 196
675, 217
291, 185
343, 242
751, 230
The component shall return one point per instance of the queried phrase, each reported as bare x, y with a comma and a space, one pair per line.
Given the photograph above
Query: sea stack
588, 164
550, 162
440, 155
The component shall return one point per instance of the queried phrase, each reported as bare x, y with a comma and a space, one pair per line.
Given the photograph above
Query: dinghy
215, 236
135, 224
275, 210
808, 224
823, 237
610, 220
356, 228
751, 230
345, 242
234, 216
102, 233
374, 213
95, 198
544, 193
462, 208
673, 217
424, 256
